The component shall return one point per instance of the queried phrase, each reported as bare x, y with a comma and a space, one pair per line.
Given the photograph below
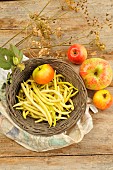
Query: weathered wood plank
100, 162
75, 26
98, 141
95, 151
22, 9
6, 35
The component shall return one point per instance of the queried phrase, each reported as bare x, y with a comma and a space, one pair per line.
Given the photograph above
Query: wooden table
95, 151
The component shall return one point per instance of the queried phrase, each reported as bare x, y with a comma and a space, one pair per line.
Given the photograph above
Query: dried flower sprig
93, 22
43, 33
97, 42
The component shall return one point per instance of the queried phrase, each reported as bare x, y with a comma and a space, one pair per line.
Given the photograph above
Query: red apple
96, 73
43, 74
102, 99
77, 54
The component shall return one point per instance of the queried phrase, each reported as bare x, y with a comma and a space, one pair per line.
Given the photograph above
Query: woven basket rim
43, 129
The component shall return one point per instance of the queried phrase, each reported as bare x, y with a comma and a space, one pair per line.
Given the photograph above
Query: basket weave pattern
42, 128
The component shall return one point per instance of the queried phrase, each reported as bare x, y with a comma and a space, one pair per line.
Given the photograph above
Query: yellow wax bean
50, 102
37, 106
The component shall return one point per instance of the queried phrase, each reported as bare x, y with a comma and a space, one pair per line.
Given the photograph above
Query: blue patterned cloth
40, 143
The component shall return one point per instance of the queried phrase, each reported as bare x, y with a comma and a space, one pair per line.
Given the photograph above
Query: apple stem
75, 52
104, 95
95, 73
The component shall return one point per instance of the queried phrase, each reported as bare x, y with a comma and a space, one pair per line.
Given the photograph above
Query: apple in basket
43, 74
77, 53
102, 99
96, 73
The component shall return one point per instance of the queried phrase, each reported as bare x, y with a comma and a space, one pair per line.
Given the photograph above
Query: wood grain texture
15, 16
98, 141
95, 151
98, 162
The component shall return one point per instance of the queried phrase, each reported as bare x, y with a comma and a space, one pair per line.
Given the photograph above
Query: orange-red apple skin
102, 99
43, 74
77, 53
96, 73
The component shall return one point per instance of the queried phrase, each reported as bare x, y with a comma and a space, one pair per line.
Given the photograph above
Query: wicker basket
43, 128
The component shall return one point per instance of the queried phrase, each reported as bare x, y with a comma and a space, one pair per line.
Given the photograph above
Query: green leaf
17, 53
6, 58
